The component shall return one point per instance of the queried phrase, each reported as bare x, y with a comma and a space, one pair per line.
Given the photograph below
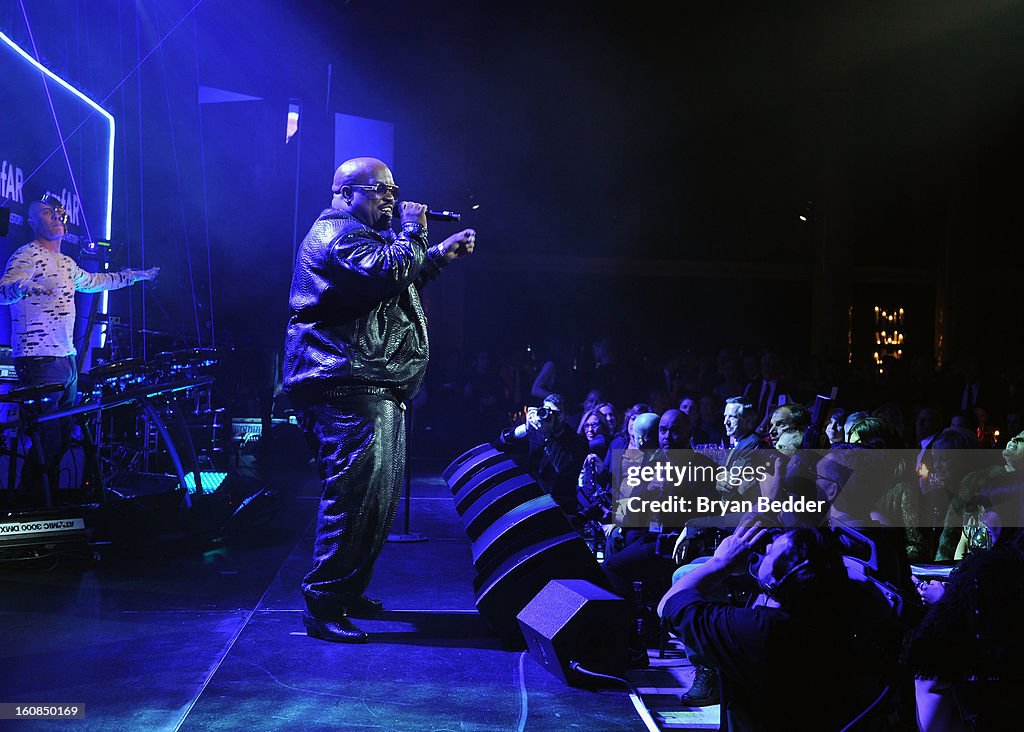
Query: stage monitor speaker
525, 524
483, 481
468, 468
506, 590
575, 620
498, 501
140, 508
467, 457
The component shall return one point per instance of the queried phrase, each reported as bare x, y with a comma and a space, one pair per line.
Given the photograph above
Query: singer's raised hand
459, 245
413, 213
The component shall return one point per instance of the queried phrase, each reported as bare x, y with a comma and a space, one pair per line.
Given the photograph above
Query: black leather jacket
356, 319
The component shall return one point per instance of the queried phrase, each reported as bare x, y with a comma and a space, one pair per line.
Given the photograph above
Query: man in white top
39, 284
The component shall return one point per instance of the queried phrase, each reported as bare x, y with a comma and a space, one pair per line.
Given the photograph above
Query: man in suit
742, 441
765, 393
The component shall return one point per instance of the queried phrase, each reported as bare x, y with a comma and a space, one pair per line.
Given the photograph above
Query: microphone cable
634, 694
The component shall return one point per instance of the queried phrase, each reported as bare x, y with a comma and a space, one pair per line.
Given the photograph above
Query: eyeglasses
381, 189
59, 212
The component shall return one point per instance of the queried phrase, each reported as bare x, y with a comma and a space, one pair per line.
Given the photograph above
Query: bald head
645, 430
46, 221
674, 430
356, 170
353, 194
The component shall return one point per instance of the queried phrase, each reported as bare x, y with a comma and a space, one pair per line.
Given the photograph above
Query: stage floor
208, 636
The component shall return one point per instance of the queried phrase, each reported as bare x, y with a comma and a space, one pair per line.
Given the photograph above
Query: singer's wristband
436, 255
412, 227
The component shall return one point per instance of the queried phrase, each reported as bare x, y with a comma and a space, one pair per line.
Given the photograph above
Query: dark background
637, 171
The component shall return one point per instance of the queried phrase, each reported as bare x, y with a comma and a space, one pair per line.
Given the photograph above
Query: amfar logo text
71, 204
11, 180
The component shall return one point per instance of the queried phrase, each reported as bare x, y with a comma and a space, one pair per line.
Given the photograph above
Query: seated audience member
993, 517
792, 417
740, 420
554, 452
730, 379
688, 406
956, 540
620, 442
834, 430
592, 502
928, 423
853, 418
794, 437
793, 474
641, 452
875, 433
707, 429
966, 421
589, 403
611, 417
645, 555
852, 479
920, 503
812, 655
594, 427
966, 651
893, 414
767, 392
742, 442
623, 439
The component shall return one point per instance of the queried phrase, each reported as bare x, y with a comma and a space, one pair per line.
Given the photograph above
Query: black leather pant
360, 452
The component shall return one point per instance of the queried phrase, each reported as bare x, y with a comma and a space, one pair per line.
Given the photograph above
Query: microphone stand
406, 536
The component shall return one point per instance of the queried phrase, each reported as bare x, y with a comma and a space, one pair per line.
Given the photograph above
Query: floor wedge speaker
573, 620
466, 457
535, 520
496, 502
483, 480
465, 468
505, 591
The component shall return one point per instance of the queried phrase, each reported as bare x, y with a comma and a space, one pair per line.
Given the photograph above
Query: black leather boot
361, 606
336, 629
327, 620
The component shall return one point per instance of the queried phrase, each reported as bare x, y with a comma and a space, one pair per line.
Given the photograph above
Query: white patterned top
43, 324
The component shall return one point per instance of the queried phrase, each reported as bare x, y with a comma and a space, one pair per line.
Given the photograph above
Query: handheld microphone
443, 215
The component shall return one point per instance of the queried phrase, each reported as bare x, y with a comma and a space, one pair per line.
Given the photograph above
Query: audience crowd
888, 600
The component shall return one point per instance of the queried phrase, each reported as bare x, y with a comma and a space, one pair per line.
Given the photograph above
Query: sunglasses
381, 189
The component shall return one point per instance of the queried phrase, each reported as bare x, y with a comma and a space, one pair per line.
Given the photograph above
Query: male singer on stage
39, 284
355, 353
